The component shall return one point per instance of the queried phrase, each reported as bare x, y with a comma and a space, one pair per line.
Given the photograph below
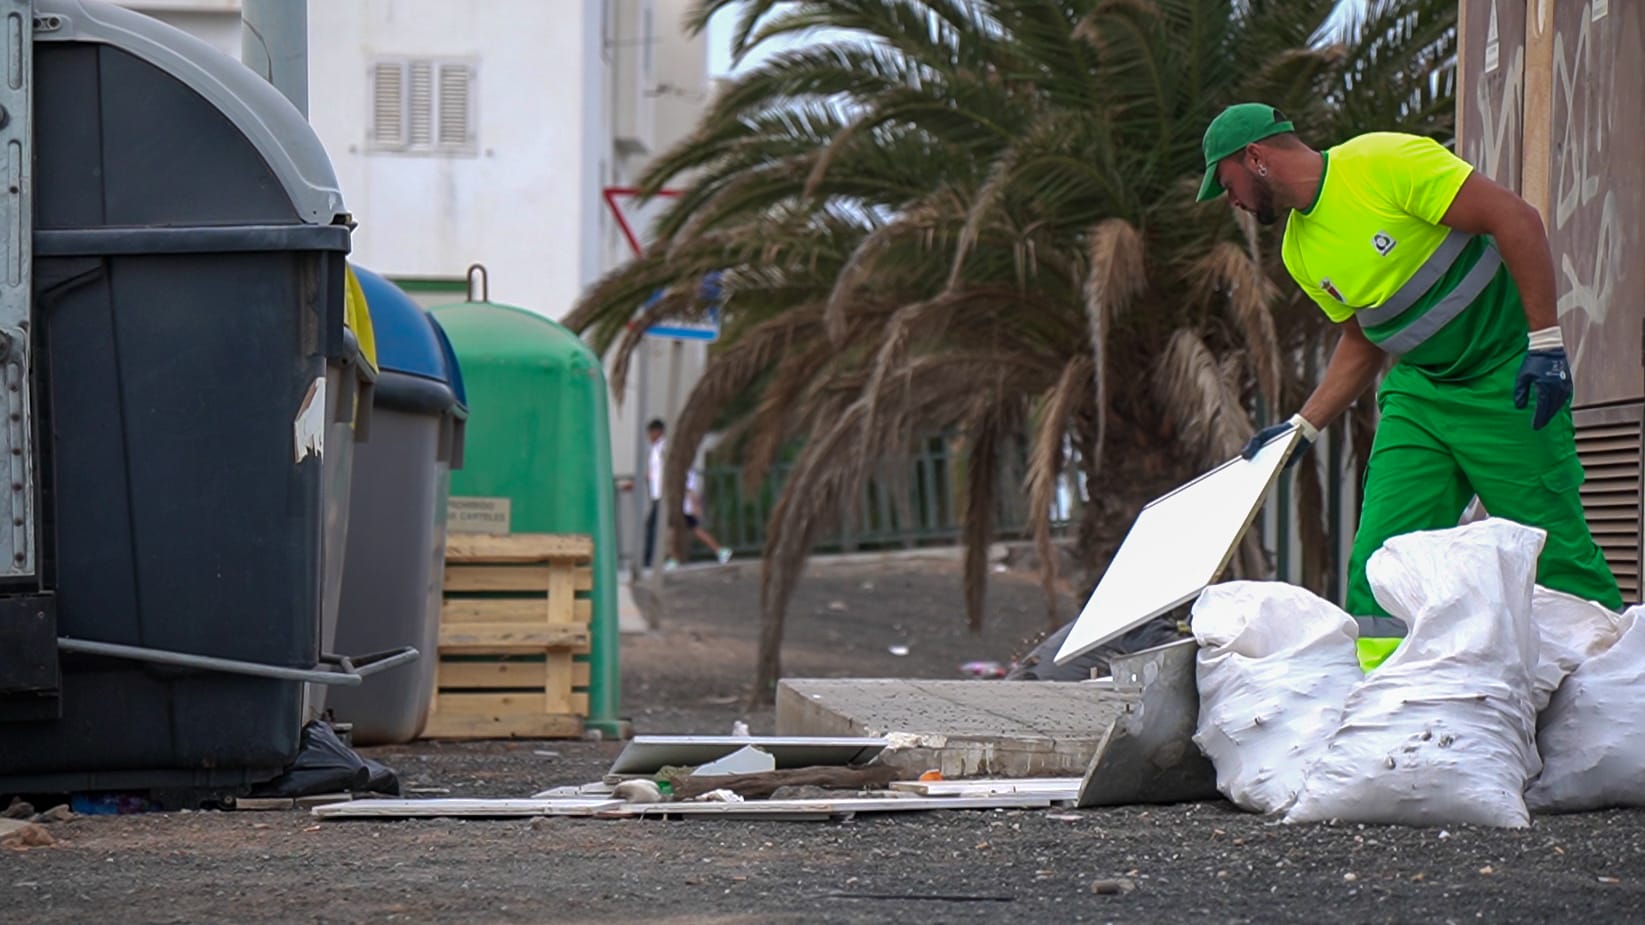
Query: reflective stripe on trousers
1381, 627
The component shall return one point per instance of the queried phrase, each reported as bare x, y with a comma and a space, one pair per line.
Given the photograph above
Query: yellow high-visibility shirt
1375, 222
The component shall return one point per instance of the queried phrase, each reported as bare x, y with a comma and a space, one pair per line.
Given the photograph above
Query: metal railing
907, 501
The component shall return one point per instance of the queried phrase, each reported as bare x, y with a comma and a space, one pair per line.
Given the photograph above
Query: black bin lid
266, 118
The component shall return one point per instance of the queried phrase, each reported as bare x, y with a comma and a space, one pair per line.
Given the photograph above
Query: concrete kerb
961, 728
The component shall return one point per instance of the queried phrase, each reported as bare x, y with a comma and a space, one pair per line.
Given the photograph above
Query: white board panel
806, 808
1178, 545
827, 806
464, 808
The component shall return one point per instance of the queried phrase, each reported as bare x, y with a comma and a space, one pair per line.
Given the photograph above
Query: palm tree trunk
768, 668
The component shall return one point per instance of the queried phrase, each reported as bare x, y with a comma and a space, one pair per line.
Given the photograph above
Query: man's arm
1354, 365
1482, 206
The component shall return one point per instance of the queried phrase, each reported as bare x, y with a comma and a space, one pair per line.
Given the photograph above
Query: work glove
1261, 438
1546, 370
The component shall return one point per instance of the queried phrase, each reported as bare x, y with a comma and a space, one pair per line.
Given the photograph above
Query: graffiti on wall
1588, 238
1581, 138
1495, 90
1494, 148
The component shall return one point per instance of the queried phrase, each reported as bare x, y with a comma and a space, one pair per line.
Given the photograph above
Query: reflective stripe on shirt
1466, 291
1420, 282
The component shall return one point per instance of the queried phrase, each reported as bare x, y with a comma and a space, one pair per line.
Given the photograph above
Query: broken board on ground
649, 754
1052, 788
1177, 546
1148, 754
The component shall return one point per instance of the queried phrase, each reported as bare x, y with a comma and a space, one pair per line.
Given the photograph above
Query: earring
1262, 170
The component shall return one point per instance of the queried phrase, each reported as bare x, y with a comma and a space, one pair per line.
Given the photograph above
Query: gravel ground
1203, 863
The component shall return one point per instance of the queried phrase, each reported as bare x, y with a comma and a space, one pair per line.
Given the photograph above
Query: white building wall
219, 28
215, 22
519, 203
682, 74
675, 94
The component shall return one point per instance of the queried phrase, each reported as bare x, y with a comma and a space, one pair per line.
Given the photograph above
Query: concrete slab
961, 728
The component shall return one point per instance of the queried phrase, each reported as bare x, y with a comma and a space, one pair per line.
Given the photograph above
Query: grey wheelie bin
350, 382
188, 299
394, 570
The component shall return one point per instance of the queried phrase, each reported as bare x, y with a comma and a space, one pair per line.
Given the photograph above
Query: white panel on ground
780, 809
1178, 544
464, 808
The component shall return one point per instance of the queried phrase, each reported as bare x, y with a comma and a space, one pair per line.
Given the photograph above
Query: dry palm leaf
1116, 275
1057, 410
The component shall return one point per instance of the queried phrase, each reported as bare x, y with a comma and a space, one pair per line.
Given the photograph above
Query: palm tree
977, 216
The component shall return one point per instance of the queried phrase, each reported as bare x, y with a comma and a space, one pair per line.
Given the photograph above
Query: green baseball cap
1233, 129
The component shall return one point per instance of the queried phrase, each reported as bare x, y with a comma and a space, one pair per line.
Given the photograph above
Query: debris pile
741, 777
1444, 731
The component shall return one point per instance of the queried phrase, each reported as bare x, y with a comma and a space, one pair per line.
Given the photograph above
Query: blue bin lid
406, 342
454, 372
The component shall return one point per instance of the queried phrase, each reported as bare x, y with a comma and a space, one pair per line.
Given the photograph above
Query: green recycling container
538, 453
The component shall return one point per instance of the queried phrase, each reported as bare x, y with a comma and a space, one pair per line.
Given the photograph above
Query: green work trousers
1441, 442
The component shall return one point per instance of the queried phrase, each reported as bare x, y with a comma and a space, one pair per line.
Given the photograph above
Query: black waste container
189, 295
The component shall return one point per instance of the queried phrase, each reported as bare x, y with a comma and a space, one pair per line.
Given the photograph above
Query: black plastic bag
325, 765
1039, 664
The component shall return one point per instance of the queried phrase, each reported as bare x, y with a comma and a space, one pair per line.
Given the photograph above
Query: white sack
1444, 731
1571, 631
1593, 732
1275, 664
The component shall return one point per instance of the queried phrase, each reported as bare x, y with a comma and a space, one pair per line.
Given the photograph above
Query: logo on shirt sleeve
1383, 242
1326, 285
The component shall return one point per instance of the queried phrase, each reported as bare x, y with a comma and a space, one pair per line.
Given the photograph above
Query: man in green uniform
1419, 257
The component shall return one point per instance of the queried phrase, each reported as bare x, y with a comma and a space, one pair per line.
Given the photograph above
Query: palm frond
671, 305
1116, 276
1211, 421
1228, 274
1045, 465
824, 475
727, 377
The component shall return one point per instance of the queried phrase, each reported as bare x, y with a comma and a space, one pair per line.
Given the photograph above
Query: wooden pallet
516, 616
